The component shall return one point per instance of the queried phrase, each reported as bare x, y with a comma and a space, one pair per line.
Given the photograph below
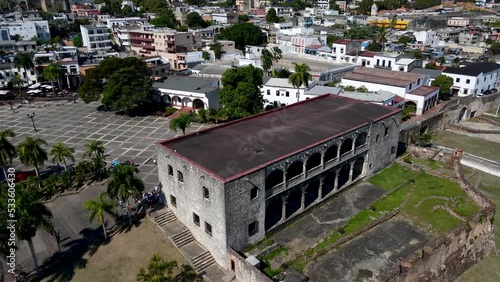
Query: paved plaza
75, 124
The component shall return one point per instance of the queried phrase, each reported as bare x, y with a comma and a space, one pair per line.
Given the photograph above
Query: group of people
150, 198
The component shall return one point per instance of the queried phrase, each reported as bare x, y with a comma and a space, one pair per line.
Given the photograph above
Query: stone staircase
202, 262
199, 258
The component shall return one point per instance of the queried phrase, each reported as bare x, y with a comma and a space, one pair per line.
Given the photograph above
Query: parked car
493, 90
487, 92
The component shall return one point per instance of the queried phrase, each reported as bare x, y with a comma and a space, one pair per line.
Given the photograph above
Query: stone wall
244, 271
190, 199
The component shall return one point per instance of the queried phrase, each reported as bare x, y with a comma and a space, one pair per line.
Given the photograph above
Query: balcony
346, 155
295, 180
275, 190
314, 171
148, 47
143, 39
360, 149
170, 41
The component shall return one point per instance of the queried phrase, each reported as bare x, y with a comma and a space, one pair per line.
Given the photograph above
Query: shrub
170, 110
202, 114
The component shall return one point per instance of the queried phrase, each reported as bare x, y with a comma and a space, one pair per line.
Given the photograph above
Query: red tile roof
362, 54
313, 46
398, 99
424, 90
343, 41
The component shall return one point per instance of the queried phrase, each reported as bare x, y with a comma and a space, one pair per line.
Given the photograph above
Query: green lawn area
488, 269
475, 146
492, 117
425, 192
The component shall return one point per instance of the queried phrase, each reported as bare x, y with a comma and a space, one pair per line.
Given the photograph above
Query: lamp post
32, 117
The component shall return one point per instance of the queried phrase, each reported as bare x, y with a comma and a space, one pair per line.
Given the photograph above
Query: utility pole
32, 117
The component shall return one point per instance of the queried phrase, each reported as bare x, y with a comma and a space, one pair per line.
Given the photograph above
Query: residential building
67, 57
381, 97
390, 61
27, 30
184, 91
433, 74
96, 37
17, 46
159, 66
230, 188
470, 38
225, 18
412, 87
7, 72
86, 10
343, 46
427, 38
279, 92
458, 22
299, 43
116, 22
209, 70
473, 79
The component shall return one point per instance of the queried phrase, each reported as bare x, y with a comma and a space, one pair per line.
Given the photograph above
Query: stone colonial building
233, 183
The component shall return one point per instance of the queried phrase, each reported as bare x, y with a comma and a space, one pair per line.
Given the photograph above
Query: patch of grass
392, 177
269, 257
465, 207
475, 146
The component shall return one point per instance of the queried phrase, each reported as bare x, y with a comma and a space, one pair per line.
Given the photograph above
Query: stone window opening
274, 178
295, 169
173, 201
330, 154
208, 228
233, 266
196, 219
170, 171
313, 161
386, 131
376, 137
180, 176
393, 150
253, 228
254, 193
206, 193
346, 146
361, 140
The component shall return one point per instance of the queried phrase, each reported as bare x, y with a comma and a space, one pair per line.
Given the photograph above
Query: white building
114, 22
279, 92
180, 91
28, 29
473, 79
96, 37
299, 43
427, 38
7, 72
412, 87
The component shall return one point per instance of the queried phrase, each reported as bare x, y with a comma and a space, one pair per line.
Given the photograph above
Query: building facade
232, 184
474, 79
96, 37
27, 30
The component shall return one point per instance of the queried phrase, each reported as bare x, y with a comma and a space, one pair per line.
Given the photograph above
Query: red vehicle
23, 175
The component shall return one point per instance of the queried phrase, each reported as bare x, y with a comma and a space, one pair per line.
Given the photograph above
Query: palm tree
441, 60
95, 147
97, 209
266, 59
82, 170
7, 150
24, 60
123, 184
181, 122
17, 82
31, 216
300, 77
66, 179
157, 269
52, 72
380, 37
60, 153
51, 184
277, 54
31, 153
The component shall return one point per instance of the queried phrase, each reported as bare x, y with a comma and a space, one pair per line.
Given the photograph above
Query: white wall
400, 91
29, 29
282, 92
476, 85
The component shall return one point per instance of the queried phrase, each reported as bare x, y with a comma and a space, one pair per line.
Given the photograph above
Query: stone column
304, 170
303, 198
283, 207
320, 191
336, 184
284, 179
351, 172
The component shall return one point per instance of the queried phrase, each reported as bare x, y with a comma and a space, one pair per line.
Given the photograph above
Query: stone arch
295, 169
358, 168
361, 139
328, 183
346, 146
462, 114
274, 178
176, 100
312, 193
330, 153
344, 175
187, 102
198, 104
274, 211
313, 161
293, 202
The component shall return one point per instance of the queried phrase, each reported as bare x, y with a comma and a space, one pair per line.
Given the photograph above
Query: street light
32, 117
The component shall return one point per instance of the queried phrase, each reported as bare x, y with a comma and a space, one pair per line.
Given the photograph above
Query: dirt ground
124, 255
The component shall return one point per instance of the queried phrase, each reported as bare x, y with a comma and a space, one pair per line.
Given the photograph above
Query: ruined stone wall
244, 271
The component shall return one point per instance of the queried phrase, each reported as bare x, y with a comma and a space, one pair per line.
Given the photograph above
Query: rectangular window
173, 201
466, 90
253, 228
206, 193
170, 170
467, 81
386, 131
196, 219
457, 79
277, 92
268, 92
288, 94
180, 177
208, 228
254, 193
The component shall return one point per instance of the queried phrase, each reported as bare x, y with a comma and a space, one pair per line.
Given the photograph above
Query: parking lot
75, 124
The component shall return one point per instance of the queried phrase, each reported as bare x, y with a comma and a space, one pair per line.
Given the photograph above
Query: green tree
60, 153
97, 208
405, 40
300, 77
417, 54
18, 82
271, 16
91, 88
15, 37
31, 216
241, 97
282, 73
266, 59
444, 83
361, 32
495, 48
51, 184
165, 18
128, 88
332, 5
31, 153
181, 122
330, 39
194, 19
78, 41
380, 36
24, 60
431, 65
217, 48
158, 270
243, 34
441, 60
205, 55
182, 28
82, 171
362, 89
94, 147
52, 73
243, 18
123, 184
66, 179
277, 54
7, 149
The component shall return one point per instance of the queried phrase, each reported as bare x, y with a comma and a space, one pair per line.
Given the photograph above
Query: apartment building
473, 79
27, 30
458, 22
96, 37
116, 22
67, 57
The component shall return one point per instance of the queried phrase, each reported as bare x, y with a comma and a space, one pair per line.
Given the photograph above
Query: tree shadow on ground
62, 265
